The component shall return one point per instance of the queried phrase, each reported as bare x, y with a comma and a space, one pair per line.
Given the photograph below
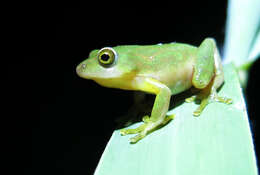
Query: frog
161, 69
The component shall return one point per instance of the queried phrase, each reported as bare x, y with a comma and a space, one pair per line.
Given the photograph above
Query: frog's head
106, 65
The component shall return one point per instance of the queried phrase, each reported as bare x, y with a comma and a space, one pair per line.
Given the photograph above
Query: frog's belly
180, 86
178, 80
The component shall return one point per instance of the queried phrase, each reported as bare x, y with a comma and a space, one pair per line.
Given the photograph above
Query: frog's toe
137, 137
191, 99
146, 119
203, 104
168, 118
197, 112
124, 132
223, 100
133, 131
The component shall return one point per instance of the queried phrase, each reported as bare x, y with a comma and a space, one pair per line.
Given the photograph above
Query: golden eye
107, 56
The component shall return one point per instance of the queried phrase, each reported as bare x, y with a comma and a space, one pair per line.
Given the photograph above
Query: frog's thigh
204, 67
218, 75
209, 93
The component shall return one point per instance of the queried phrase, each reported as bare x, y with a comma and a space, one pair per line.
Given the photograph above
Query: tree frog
163, 70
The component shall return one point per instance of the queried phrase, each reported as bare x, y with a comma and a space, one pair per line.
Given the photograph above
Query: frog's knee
209, 40
200, 84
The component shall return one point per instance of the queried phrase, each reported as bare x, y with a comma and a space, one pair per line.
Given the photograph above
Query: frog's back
153, 58
169, 63
153, 50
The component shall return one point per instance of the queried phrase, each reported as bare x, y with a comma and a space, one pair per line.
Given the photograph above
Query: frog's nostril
80, 68
83, 66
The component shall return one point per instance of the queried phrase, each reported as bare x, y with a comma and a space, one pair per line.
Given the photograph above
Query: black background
58, 123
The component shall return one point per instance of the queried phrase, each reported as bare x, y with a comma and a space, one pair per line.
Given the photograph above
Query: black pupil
105, 57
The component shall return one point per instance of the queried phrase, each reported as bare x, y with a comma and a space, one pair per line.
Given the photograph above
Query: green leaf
255, 51
218, 142
242, 38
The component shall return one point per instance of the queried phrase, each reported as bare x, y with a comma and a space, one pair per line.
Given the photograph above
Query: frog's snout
80, 69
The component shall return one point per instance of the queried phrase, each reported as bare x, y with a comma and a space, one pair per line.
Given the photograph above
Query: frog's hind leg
206, 79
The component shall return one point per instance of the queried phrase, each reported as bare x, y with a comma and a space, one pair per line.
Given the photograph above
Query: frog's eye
107, 57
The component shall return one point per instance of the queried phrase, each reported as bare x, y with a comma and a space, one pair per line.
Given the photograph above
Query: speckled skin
163, 70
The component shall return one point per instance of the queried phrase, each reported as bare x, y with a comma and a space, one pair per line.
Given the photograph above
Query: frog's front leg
208, 75
160, 108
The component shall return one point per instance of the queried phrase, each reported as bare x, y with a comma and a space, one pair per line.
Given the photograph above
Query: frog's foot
191, 99
205, 100
145, 128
